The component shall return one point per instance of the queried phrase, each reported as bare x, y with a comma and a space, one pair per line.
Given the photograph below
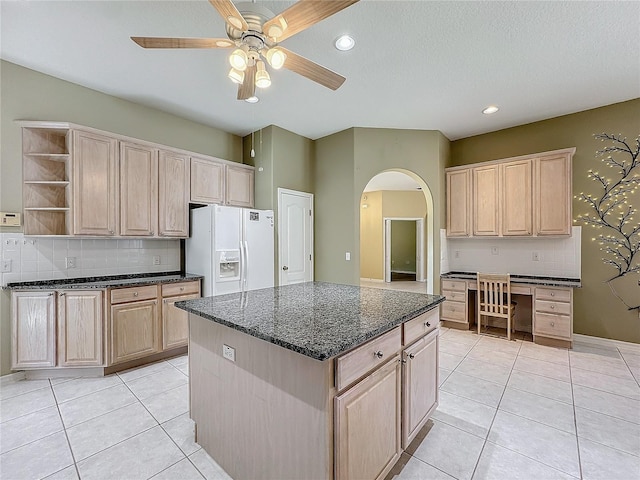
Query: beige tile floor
508, 410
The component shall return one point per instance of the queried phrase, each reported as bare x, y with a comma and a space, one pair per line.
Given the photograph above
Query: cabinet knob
553, 324
427, 324
135, 294
412, 356
152, 232
379, 354
553, 294
553, 307
181, 289
111, 232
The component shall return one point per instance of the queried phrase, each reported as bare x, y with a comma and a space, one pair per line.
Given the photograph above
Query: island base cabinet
367, 427
80, 329
134, 330
419, 385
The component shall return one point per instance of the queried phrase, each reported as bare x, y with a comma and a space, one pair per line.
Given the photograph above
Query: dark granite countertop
525, 279
138, 279
317, 319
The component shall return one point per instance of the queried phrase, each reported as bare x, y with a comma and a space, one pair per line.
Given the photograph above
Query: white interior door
295, 236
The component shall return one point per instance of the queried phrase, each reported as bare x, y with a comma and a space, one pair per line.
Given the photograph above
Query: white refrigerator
232, 248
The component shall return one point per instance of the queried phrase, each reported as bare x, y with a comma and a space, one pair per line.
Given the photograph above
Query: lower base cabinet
80, 328
134, 330
175, 322
367, 429
33, 332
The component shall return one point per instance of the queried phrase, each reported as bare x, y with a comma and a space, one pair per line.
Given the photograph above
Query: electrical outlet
70, 262
347, 256
535, 257
156, 259
6, 266
229, 352
494, 251
457, 255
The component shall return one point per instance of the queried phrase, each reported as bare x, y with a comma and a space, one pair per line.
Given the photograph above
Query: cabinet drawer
552, 325
133, 294
560, 308
455, 311
455, 296
421, 325
181, 288
356, 363
457, 285
555, 294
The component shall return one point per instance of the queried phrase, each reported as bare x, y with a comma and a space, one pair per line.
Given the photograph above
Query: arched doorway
400, 197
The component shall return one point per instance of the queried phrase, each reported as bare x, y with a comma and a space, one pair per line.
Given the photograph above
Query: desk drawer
552, 325
455, 296
356, 363
457, 285
554, 294
133, 294
456, 311
181, 288
421, 325
560, 308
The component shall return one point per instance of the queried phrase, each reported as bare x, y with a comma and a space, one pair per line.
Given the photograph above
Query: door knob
285, 268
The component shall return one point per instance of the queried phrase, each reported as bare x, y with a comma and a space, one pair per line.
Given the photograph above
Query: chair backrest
494, 294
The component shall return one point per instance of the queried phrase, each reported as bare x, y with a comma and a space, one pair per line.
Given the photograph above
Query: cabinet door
552, 196
138, 190
94, 184
175, 322
486, 200
517, 212
420, 385
367, 425
459, 203
173, 195
80, 328
239, 186
207, 181
33, 323
135, 330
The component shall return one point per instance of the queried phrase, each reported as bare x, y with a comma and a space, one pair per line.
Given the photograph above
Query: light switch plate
6, 266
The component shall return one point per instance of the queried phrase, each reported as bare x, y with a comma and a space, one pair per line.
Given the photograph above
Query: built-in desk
545, 305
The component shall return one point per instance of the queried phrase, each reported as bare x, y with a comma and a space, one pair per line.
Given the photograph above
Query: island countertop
317, 319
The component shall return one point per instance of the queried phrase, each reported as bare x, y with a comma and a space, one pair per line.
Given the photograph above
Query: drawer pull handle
135, 294
379, 354
412, 356
427, 324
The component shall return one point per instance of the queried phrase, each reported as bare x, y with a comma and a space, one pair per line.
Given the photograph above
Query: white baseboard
606, 343
12, 377
371, 280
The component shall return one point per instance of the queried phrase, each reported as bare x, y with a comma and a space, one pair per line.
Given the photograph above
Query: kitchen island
311, 381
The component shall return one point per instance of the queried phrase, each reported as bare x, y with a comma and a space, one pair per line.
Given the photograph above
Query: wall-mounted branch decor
612, 212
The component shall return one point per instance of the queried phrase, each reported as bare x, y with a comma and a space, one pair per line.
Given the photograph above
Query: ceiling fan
255, 33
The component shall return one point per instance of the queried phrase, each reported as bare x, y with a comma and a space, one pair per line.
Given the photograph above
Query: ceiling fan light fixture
252, 99
344, 43
238, 59
262, 76
490, 109
276, 30
276, 58
236, 76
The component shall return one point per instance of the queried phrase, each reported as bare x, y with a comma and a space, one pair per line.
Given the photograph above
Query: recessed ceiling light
344, 43
490, 109
253, 99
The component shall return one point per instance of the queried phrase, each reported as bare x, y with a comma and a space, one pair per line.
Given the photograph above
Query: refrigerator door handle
242, 262
246, 264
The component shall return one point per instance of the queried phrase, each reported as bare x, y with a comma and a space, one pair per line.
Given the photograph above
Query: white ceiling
391, 181
416, 65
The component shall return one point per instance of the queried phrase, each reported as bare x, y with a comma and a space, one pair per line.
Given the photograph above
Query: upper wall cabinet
521, 196
82, 181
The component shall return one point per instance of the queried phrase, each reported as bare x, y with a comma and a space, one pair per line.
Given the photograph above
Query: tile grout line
64, 429
575, 421
628, 367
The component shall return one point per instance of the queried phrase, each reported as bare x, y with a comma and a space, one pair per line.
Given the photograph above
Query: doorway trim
420, 258
286, 191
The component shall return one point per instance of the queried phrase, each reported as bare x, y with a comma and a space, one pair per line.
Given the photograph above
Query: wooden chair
494, 299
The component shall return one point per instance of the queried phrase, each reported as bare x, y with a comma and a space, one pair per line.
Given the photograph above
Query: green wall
29, 95
596, 311
403, 246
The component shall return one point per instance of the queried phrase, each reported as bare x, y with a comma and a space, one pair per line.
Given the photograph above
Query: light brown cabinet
135, 330
94, 184
239, 186
454, 308
368, 425
207, 181
486, 200
33, 324
173, 198
516, 205
459, 203
80, 328
138, 190
553, 316
175, 322
552, 196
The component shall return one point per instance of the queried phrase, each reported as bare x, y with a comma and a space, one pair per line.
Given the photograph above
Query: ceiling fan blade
230, 14
168, 42
248, 87
302, 15
312, 70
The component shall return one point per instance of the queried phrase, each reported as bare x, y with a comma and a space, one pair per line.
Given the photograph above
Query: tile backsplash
556, 257
44, 258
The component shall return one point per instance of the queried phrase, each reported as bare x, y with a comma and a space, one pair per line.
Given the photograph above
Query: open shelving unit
46, 172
